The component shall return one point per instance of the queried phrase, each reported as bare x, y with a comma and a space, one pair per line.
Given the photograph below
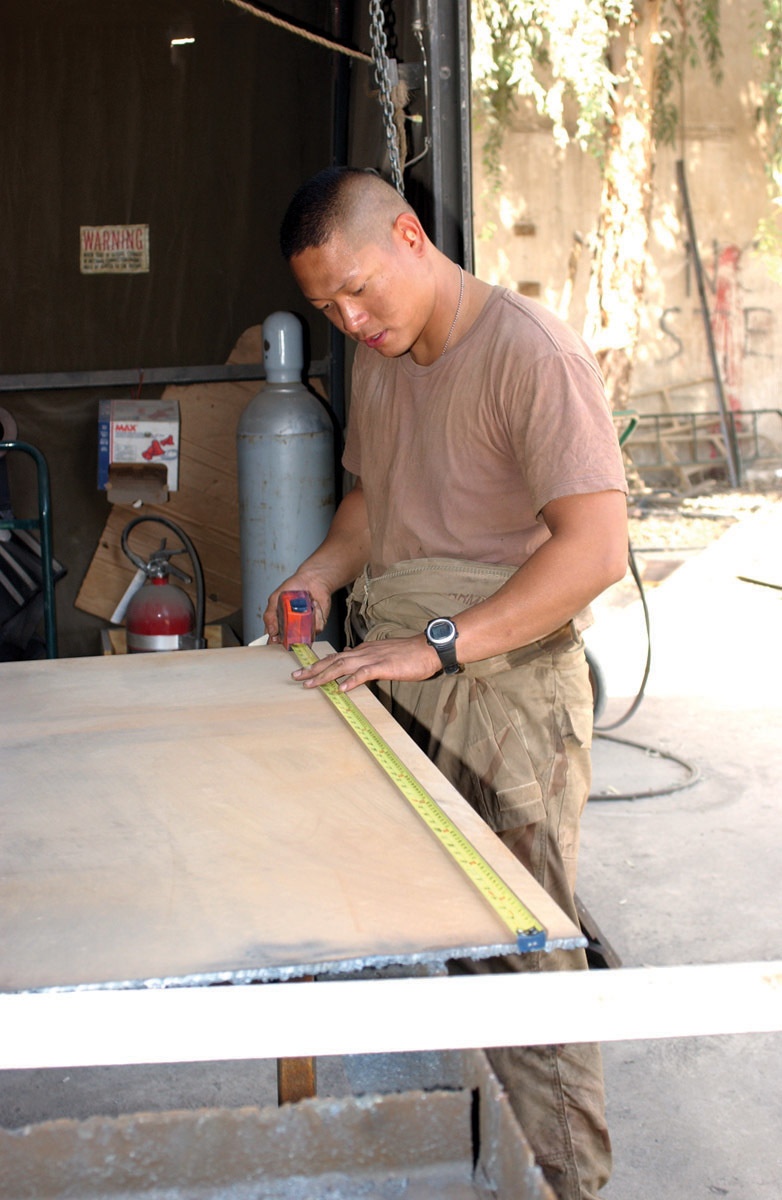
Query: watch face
441, 631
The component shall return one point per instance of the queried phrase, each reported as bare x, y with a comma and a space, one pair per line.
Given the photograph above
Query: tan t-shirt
458, 458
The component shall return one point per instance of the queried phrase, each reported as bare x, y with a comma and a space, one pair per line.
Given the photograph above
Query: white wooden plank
91, 1028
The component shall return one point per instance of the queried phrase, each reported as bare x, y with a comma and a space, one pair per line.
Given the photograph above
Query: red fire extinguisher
160, 616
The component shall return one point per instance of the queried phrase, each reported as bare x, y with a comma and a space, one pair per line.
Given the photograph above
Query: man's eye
359, 290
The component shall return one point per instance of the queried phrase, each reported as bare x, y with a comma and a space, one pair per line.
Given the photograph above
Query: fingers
403, 658
320, 606
270, 616
333, 666
319, 615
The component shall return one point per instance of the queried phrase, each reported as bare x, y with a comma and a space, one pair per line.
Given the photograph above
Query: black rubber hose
601, 731
640, 695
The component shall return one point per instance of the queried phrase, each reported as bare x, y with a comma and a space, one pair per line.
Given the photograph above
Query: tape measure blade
528, 931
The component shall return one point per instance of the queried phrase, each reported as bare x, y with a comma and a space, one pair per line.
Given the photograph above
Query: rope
303, 33
393, 99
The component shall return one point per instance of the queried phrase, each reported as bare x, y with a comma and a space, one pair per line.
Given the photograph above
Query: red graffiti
727, 323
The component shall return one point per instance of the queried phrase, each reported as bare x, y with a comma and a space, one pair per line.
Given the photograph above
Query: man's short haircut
335, 198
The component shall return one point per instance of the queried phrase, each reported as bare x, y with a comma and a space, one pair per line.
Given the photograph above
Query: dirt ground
667, 528
668, 521
677, 875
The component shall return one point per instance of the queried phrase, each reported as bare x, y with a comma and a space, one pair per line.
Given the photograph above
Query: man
488, 512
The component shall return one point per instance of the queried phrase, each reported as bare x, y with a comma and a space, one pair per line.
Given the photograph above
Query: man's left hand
392, 658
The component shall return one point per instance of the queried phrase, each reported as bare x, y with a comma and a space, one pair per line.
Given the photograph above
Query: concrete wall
533, 235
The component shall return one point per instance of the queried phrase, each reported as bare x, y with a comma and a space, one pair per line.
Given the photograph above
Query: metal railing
689, 442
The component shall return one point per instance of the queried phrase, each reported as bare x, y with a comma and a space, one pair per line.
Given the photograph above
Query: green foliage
689, 35
557, 54
769, 48
551, 52
555, 51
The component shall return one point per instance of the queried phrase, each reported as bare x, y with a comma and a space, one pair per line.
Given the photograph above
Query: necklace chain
458, 310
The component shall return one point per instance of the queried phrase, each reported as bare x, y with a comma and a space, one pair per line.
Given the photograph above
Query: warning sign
114, 249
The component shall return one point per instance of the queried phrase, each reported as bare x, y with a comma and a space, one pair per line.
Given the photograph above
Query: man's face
373, 294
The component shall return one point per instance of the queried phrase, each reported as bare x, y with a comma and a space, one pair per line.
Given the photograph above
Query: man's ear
410, 232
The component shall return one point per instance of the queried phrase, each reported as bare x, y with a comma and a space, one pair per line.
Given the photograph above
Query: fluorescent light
182, 41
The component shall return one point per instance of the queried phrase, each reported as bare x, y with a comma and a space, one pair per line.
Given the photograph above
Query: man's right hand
335, 563
300, 582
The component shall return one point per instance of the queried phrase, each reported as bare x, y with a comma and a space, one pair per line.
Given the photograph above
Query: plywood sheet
199, 816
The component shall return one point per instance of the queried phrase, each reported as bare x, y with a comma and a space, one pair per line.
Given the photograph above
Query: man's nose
353, 316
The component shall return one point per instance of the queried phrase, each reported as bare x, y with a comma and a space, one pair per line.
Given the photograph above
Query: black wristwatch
441, 633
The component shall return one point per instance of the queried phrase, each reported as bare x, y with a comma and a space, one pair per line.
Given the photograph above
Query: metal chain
387, 78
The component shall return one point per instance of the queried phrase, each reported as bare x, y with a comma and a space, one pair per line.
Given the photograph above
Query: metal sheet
199, 817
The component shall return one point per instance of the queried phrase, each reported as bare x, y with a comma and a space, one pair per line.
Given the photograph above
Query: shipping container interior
188, 124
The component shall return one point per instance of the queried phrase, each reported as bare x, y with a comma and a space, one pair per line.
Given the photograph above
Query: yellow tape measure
528, 931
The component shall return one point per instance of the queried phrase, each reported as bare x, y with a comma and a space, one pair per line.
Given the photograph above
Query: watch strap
446, 650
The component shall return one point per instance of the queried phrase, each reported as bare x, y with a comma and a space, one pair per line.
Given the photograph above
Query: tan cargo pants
513, 735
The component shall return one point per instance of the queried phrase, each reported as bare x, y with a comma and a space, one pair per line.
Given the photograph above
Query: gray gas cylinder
285, 448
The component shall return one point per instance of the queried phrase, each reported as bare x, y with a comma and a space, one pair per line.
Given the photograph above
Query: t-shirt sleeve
564, 435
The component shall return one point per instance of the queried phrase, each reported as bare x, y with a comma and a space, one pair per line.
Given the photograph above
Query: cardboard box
144, 432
